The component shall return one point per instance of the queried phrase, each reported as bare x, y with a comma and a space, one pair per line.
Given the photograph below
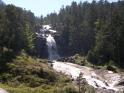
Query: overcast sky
43, 7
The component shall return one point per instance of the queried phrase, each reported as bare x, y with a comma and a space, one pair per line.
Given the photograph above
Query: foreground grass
41, 89
25, 89
30, 75
26, 74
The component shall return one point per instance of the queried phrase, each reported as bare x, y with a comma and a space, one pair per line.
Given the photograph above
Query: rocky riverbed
103, 81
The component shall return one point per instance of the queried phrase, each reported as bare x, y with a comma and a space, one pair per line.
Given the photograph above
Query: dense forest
91, 33
17, 32
95, 30
91, 29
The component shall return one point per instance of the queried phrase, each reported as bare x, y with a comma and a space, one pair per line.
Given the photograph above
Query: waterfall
46, 33
52, 48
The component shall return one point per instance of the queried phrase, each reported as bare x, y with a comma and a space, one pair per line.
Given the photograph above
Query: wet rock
101, 90
100, 79
3, 91
120, 83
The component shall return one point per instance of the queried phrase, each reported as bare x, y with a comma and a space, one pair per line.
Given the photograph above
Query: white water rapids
107, 81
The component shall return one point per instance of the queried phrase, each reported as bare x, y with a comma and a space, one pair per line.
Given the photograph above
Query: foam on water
91, 78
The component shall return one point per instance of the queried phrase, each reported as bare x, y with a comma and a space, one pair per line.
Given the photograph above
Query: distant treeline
95, 30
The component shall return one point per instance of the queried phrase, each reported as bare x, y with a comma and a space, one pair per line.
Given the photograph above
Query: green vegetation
95, 30
47, 89
27, 70
80, 60
27, 75
83, 85
16, 32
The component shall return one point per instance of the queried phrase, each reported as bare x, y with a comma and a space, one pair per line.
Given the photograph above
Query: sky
43, 7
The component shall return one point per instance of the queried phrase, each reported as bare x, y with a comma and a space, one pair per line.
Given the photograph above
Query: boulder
3, 91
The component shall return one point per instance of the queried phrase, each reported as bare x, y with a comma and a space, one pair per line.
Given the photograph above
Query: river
99, 79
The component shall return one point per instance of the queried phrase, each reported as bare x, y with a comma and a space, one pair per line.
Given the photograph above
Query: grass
25, 69
25, 89
26, 74
40, 89
30, 75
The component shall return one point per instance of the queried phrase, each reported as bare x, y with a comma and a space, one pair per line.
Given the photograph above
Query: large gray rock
100, 90
120, 83
3, 91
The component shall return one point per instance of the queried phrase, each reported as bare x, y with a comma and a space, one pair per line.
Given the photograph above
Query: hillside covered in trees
93, 33
17, 32
95, 30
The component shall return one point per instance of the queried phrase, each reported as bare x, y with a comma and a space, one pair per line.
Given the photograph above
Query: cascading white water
46, 32
52, 48
106, 81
